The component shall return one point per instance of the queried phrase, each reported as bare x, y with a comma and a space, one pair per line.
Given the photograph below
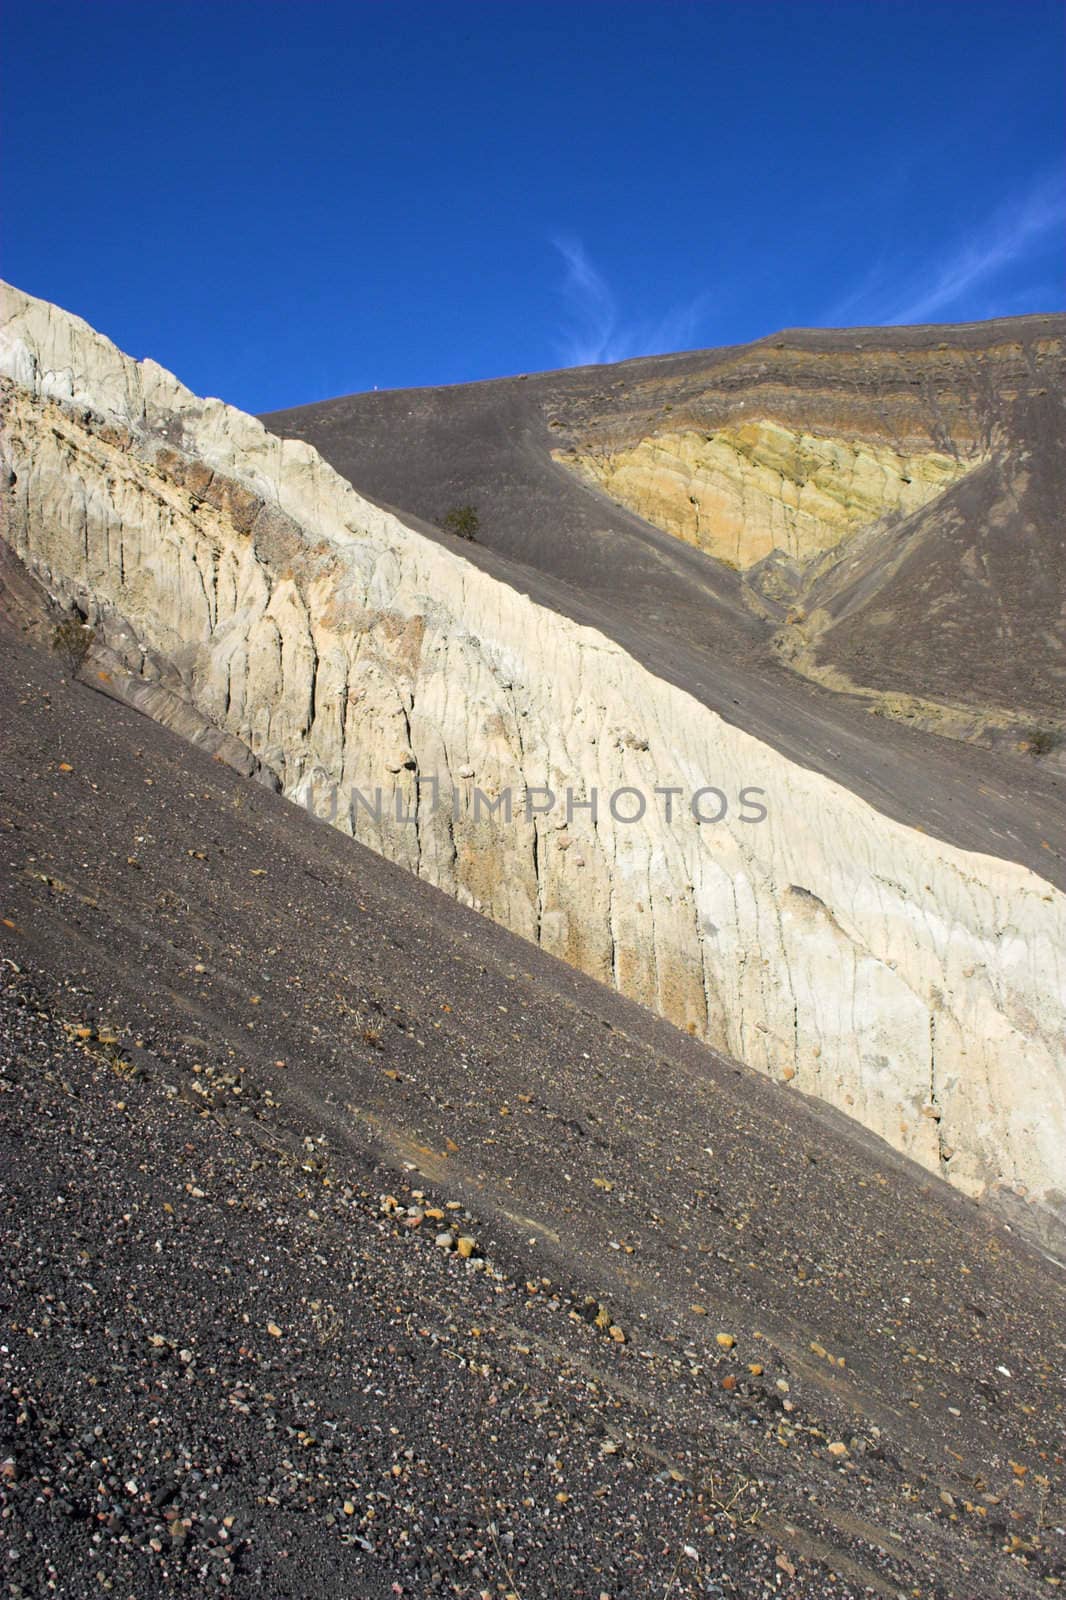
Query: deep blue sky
287, 201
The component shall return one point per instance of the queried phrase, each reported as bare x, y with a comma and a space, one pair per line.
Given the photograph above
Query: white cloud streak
594, 330
1008, 237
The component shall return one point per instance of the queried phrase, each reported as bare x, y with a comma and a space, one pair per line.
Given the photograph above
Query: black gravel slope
245, 1061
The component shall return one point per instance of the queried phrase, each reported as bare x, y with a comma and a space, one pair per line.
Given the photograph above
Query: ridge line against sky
595, 330
408, 194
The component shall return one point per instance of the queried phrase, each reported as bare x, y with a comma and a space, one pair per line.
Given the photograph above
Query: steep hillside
785, 450
530, 765
964, 603
255, 1086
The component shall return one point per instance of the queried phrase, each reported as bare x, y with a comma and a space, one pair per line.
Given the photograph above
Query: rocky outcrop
916, 986
745, 491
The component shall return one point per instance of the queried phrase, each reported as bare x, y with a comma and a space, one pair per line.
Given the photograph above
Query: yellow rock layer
743, 491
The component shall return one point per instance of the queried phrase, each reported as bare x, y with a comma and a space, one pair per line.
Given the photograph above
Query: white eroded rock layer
916, 986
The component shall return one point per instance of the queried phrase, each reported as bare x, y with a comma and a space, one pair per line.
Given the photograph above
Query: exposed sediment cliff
745, 491
918, 987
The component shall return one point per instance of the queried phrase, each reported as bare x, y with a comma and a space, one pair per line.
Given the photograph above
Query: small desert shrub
462, 521
1040, 741
72, 640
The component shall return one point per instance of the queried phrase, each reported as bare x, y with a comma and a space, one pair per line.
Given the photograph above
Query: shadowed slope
964, 601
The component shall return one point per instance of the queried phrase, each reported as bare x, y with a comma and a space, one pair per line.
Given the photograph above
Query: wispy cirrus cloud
1017, 232
594, 329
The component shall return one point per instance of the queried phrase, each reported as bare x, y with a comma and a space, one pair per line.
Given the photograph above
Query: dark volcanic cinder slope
965, 601
950, 620
227, 1031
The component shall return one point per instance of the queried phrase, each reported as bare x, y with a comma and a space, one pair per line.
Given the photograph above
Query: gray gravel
710, 1340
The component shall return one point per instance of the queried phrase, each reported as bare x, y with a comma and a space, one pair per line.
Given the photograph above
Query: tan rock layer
745, 491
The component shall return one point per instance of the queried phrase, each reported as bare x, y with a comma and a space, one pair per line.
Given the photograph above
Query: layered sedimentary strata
744, 491
918, 987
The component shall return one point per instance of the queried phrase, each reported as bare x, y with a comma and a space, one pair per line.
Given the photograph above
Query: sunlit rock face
742, 492
915, 986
